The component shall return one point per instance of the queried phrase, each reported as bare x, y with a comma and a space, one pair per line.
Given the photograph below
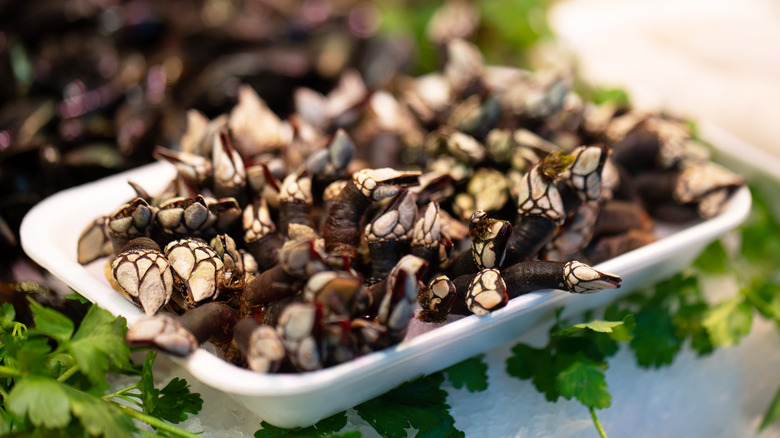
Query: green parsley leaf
176, 401
99, 418
765, 297
688, 321
471, 372
28, 355
618, 330
420, 404
99, 345
41, 399
7, 314
729, 321
760, 241
324, 428
537, 364
655, 340
6, 422
149, 394
584, 380
713, 259
50, 322
772, 412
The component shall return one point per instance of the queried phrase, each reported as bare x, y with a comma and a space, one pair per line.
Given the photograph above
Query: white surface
709, 59
295, 400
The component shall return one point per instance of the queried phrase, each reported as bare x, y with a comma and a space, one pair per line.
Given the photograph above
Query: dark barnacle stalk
181, 335
341, 230
260, 344
617, 216
572, 276
575, 234
607, 247
141, 272
388, 235
295, 200
298, 260
528, 276
642, 141
540, 209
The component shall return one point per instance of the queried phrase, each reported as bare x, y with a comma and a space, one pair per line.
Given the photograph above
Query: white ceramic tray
50, 232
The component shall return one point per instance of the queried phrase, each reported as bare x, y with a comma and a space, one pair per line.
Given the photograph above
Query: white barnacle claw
257, 221
396, 222
539, 197
427, 229
296, 188
143, 273
584, 175
266, 349
162, 332
583, 279
229, 170
296, 326
197, 265
382, 183
486, 293
397, 305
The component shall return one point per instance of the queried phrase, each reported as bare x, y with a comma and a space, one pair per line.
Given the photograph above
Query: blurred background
89, 87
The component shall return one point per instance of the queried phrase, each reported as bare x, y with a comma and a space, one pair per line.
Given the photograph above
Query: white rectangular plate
50, 233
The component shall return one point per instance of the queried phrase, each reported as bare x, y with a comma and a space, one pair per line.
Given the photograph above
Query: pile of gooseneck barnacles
299, 243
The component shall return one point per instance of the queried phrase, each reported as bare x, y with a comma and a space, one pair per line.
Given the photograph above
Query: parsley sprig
53, 379
573, 362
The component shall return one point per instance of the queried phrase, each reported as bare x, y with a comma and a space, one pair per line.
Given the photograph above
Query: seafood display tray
51, 229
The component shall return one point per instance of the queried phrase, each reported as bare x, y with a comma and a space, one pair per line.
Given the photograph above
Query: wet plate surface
51, 230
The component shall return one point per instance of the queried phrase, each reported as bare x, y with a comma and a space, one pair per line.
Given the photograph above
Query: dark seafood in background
322, 191
90, 88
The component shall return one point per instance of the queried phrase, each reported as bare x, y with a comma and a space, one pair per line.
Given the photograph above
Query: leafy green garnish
56, 378
471, 373
324, 428
420, 404
729, 321
572, 364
